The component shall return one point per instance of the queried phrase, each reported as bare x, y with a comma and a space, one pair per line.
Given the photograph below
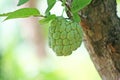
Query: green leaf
5, 14
21, 2
50, 5
47, 19
22, 13
63, 2
76, 17
79, 4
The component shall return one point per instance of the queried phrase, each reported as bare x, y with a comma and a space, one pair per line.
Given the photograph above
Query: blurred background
25, 54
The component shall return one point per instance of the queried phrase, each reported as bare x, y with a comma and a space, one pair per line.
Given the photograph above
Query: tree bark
101, 27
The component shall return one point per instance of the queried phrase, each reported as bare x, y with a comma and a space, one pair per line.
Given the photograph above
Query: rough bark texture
102, 37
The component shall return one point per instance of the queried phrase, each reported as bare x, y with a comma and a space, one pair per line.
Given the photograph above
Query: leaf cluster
76, 6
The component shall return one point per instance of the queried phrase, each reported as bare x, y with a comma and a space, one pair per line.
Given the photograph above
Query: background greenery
18, 59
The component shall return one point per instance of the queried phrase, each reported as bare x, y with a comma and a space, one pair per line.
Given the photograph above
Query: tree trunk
101, 27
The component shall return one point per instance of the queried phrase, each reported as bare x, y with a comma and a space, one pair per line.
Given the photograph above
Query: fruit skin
65, 36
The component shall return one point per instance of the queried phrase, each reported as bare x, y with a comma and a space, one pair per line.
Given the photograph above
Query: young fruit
65, 36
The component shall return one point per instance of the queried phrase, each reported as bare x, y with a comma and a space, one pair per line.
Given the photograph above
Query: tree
101, 27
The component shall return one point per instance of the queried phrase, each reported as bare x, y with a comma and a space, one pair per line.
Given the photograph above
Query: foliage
22, 13
22, 2
50, 5
77, 5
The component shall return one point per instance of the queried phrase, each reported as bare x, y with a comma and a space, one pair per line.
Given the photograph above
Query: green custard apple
65, 36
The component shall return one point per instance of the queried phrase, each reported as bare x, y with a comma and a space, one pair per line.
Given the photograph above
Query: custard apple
65, 36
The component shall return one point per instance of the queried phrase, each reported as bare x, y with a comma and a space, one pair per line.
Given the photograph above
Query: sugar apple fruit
65, 36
